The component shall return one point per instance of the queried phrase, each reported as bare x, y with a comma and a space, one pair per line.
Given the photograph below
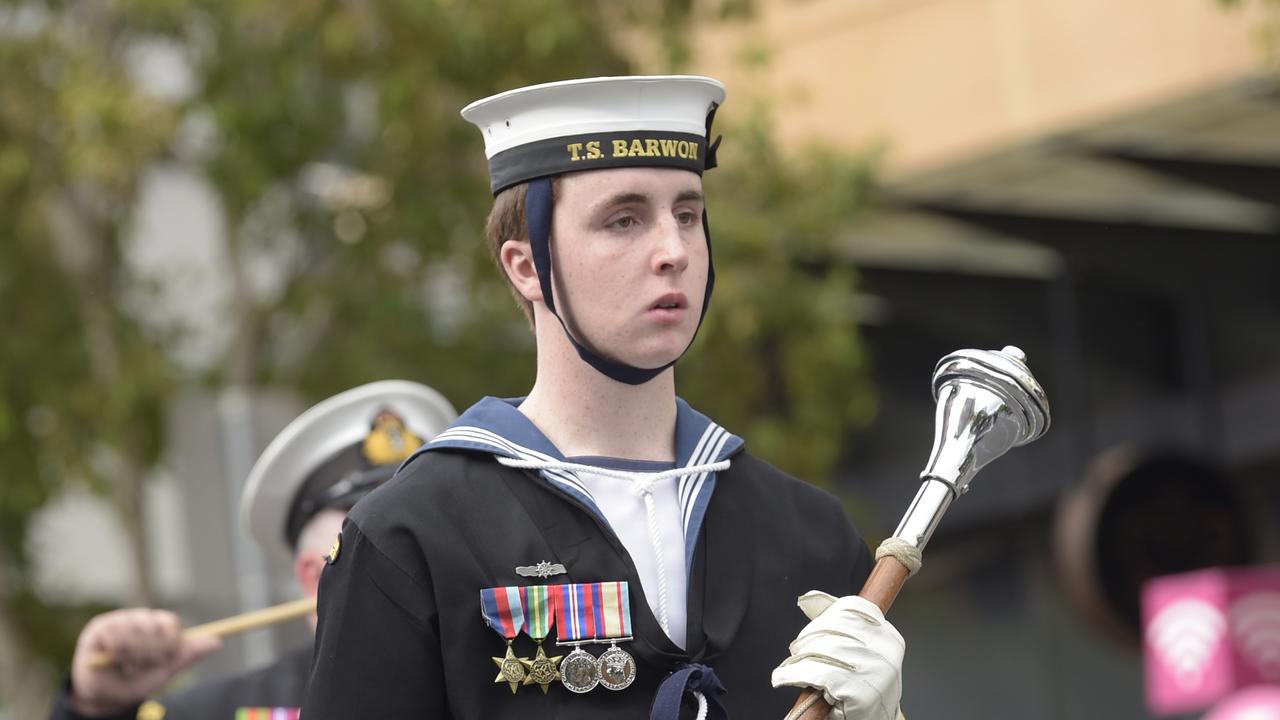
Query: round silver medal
579, 671
617, 668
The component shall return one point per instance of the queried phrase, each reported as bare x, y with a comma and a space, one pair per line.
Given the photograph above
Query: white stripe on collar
481, 439
693, 485
489, 425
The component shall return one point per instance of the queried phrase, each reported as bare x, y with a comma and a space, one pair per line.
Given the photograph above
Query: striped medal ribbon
576, 626
539, 610
267, 713
617, 668
503, 611
593, 613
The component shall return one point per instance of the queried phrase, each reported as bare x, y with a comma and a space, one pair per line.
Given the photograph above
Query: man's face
630, 261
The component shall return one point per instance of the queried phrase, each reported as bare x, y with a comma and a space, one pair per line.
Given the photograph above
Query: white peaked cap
320, 433
526, 131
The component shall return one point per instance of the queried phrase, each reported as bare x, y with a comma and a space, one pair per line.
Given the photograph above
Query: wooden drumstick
230, 626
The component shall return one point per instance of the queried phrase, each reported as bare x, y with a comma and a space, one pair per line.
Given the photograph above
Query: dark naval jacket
401, 633
278, 685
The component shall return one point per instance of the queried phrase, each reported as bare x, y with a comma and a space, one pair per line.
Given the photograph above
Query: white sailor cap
336, 452
592, 123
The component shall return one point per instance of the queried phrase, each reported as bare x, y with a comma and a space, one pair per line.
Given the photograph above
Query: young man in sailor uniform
600, 546
297, 495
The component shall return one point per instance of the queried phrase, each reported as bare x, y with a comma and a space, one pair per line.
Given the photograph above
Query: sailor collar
494, 426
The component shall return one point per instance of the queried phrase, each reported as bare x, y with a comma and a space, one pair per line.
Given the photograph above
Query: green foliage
278, 82
52, 627
779, 359
74, 136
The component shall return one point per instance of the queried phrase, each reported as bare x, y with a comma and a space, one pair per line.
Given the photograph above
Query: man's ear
516, 257
307, 567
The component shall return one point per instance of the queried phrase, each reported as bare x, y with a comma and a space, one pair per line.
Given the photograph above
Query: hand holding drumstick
124, 656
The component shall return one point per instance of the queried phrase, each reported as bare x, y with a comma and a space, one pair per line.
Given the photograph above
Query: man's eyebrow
633, 198
625, 198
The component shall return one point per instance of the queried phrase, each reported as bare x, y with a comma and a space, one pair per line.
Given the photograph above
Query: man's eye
687, 218
623, 223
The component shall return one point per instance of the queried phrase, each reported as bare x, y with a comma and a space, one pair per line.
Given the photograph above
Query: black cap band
337, 483
594, 151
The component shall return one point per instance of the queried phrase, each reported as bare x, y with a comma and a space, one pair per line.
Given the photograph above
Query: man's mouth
670, 301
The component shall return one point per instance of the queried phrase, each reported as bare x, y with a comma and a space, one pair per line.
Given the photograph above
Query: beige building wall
937, 80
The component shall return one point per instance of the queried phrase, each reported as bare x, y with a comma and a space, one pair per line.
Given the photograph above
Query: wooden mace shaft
232, 625
882, 586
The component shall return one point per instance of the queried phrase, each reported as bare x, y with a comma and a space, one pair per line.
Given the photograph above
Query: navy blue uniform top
401, 633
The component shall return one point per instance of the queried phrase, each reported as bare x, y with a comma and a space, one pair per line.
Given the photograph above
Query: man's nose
673, 249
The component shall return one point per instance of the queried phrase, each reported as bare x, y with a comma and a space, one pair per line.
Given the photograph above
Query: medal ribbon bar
592, 612
616, 667
539, 607
267, 713
575, 613
615, 610
503, 610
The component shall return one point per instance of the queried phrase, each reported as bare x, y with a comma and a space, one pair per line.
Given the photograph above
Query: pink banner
1256, 703
1209, 633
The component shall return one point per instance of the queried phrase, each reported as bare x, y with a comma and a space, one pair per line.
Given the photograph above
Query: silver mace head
988, 402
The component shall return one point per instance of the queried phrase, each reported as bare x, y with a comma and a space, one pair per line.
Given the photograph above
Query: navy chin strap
538, 210
693, 677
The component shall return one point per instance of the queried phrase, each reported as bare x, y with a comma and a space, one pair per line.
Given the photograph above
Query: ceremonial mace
988, 402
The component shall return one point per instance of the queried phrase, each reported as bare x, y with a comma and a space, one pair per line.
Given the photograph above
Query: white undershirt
654, 539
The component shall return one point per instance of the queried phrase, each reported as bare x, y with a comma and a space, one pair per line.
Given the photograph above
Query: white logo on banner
1255, 623
1184, 635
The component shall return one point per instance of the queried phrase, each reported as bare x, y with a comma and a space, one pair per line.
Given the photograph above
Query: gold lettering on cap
635, 147
574, 149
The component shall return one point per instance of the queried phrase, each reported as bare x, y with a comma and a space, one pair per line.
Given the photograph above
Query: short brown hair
507, 222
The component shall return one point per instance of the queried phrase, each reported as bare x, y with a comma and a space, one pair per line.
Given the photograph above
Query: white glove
850, 653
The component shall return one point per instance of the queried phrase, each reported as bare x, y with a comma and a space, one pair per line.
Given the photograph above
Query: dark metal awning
1170, 182
1134, 259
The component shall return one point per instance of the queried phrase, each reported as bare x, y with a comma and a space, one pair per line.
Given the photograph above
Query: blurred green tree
83, 386
345, 178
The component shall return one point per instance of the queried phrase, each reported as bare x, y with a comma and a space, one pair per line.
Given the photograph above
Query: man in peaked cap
609, 550
296, 497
